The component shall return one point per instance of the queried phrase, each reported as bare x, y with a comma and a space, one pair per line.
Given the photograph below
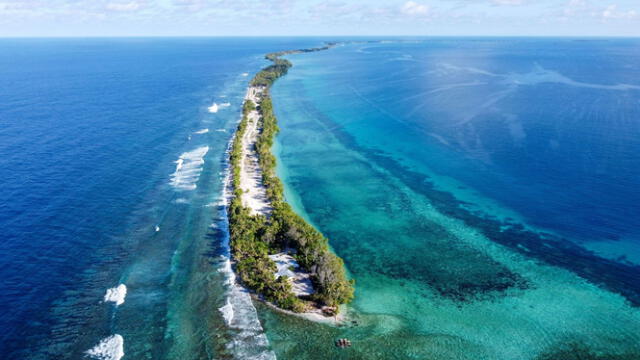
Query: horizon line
313, 36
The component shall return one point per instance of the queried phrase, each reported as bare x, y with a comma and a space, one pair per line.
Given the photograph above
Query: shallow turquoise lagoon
467, 183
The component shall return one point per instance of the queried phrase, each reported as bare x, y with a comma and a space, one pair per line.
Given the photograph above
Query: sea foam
203, 131
188, 169
215, 107
240, 315
227, 312
110, 348
116, 294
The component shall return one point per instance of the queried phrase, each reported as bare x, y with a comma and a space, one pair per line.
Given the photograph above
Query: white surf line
116, 294
239, 313
215, 107
109, 348
227, 313
188, 168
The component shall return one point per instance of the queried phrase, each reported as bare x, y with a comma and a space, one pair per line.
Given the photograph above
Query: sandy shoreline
254, 193
316, 315
254, 197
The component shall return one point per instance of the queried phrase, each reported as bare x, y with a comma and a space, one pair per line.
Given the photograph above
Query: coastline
277, 255
340, 319
254, 192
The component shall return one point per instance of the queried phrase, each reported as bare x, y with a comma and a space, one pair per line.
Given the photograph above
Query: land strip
276, 253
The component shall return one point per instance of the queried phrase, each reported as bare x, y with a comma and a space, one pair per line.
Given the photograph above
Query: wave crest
188, 169
215, 107
116, 294
110, 348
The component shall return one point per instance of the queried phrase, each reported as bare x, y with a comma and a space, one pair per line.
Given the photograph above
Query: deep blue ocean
483, 192
90, 133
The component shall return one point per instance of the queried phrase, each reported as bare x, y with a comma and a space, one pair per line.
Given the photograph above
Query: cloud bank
298, 17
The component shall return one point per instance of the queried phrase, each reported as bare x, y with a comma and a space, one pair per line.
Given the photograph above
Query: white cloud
609, 12
575, 7
612, 12
124, 7
508, 2
414, 8
191, 5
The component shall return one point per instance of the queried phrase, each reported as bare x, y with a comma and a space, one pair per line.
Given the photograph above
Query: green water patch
577, 351
620, 277
478, 277
432, 282
372, 337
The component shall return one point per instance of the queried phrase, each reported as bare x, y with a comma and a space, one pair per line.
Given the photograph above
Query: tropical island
278, 255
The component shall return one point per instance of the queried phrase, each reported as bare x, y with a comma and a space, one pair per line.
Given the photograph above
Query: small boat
343, 343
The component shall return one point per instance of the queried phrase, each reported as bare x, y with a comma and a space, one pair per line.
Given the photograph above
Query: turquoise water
482, 192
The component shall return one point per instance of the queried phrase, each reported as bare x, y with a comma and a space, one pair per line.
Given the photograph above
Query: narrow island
284, 260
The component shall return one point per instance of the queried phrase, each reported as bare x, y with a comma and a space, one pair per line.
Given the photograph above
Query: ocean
483, 193
112, 164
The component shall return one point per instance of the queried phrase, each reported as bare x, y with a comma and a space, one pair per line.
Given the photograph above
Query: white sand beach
287, 265
254, 194
254, 197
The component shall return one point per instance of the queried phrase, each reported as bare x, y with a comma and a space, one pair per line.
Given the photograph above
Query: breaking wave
215, 107
188, 169
116, 294
240, 315
227, 312
110, 348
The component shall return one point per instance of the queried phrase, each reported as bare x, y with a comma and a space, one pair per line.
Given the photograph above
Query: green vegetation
254, 237
268, 75
250, 250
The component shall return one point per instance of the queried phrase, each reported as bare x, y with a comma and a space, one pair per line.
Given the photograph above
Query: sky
34, 18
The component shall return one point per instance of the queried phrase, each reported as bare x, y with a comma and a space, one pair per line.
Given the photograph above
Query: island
276, 254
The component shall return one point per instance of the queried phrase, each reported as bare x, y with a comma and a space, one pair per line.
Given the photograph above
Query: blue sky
319, 17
